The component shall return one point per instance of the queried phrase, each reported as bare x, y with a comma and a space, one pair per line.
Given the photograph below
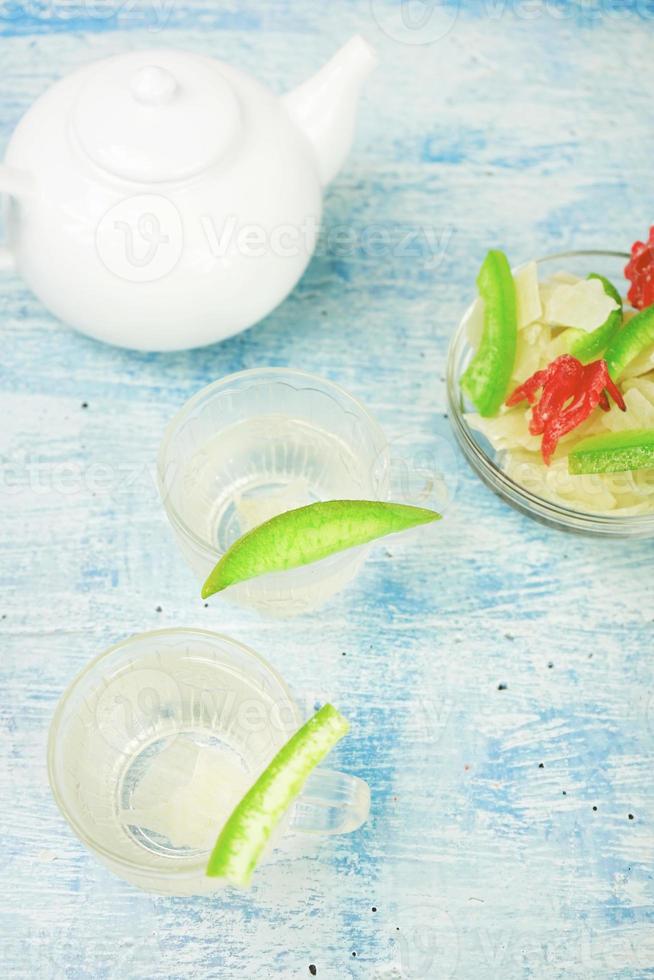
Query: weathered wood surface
526, 126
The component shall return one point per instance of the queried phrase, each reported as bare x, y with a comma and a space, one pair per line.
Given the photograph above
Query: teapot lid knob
157, 115
152, 85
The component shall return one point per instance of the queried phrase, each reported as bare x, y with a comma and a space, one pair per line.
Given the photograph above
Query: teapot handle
14, 183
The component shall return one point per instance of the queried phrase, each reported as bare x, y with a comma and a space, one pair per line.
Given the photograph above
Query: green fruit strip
635, 337
243, 839
307, 534
589, 346
486, 379
613, 453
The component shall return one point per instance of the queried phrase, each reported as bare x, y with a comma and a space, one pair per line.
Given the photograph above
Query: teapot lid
156, 115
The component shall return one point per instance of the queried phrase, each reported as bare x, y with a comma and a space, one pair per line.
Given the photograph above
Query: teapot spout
325, 106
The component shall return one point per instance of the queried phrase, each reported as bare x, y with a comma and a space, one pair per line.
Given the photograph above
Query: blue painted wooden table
500, 680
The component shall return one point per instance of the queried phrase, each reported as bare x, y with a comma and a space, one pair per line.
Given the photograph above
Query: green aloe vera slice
588, 346
614, 452
243, 839
307, 534
634, 338
487, 377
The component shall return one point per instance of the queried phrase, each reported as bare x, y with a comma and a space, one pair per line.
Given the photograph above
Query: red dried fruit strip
570, 392
640, 272
527, 390
559, 389
613, 390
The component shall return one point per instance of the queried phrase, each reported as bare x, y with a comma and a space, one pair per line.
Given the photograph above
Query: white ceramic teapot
161, 200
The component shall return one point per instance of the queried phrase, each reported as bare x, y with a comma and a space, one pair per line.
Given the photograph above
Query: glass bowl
486, 461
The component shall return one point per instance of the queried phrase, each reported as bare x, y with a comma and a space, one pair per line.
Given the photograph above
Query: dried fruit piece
527, 295
631, 341
614, 452
640, 272
585, 305
487, 377
307, 534
247, 831
570, 391
590, 345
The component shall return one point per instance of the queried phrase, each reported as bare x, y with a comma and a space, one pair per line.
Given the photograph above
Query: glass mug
159, 737
258, 443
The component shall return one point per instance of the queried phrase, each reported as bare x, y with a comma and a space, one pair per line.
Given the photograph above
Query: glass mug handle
13, 183
331, 803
